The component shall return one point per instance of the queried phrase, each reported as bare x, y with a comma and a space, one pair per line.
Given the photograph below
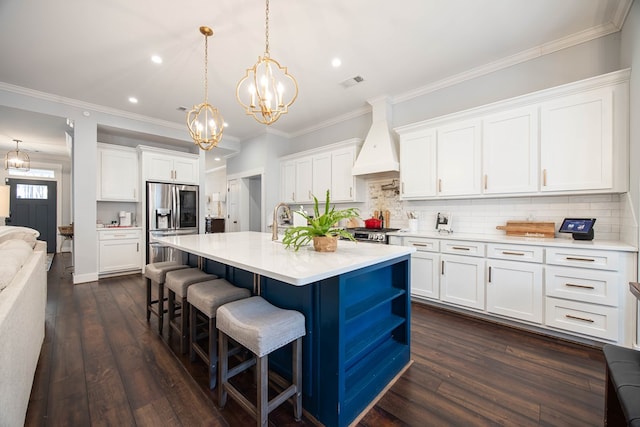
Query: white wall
630, 57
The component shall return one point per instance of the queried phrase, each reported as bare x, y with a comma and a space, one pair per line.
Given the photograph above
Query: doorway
244, 203
34, 205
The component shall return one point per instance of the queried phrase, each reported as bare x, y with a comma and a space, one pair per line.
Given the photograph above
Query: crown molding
520, 57
333, 121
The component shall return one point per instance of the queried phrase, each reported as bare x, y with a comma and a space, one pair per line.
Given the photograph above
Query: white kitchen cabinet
118, 175
119, 250
459, 158
312, 173
514, 289
418, 175
321, 176
345, 187
510, 152
165, 166
304, 180
462, 280
576, 142
571, 139
288, 181
296, 180
425, 267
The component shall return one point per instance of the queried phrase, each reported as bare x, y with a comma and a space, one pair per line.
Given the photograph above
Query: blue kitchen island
356, 303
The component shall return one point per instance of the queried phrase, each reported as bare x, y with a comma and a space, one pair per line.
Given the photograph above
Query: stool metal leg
160, 307
171, 311
262, 410
223, 366
193, 332
213, 352
148, 299
184, 323
297, 378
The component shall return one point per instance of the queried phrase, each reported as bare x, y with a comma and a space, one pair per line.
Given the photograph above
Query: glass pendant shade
17, 159
204, 121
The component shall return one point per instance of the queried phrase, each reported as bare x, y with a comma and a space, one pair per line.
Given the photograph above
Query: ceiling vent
352, 81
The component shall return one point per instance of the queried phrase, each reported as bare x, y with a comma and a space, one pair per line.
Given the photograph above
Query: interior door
233, 214
33, 204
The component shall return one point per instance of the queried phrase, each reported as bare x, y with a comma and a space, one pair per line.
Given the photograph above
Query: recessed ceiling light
217, 159
133, 100
336, 62
226, 124
156, 59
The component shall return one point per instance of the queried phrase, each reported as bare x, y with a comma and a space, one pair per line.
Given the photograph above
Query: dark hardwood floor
103, 364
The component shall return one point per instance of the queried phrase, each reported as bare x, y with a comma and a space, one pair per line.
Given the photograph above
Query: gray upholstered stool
206, 298
156, 273
262, 328
177, 283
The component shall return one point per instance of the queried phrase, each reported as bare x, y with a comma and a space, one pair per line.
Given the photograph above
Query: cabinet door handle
442, 267
512, 253
573, 285
569, 316
422, 245
489, 274
544, 177
460, 248
571, 258
138, 247
350, 191
485, 181
293, 196
440, 186
310, 195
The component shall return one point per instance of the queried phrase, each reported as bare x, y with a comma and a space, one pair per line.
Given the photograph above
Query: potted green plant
321, 229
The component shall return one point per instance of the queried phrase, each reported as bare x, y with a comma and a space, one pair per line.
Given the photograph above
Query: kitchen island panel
356, 306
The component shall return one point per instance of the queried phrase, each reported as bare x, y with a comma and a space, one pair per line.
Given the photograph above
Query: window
28, 191
34, 173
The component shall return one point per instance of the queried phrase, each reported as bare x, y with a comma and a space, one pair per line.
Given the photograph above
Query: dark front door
33, 204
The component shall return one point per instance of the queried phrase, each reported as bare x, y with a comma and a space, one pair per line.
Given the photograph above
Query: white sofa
22, 325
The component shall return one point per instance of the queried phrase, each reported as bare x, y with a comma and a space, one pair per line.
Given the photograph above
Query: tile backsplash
481, 216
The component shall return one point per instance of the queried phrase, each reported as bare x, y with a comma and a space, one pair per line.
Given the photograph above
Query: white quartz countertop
255, 252
517, 240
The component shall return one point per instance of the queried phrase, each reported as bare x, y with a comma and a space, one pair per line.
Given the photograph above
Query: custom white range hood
379, 153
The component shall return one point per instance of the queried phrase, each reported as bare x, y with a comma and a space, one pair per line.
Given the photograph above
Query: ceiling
98, 52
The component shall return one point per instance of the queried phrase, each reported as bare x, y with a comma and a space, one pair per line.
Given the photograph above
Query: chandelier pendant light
204, 121
263, 90
17, 159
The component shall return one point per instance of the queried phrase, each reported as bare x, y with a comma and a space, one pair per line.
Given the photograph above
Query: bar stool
156, 273
177, 283
262, 328
206, 298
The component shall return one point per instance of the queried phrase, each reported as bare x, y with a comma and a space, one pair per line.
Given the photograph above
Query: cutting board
529, 228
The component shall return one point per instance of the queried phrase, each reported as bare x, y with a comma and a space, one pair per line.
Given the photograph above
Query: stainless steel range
371, 235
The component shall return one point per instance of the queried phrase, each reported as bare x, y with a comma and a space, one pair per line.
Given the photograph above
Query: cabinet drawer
599, 287
423, 244
603, 260
515, 252
118, 234
583, 318
395, 240
461, 247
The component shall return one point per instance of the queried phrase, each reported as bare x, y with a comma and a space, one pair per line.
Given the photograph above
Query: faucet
274, 226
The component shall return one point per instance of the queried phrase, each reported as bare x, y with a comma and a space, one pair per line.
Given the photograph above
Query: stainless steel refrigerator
172, 209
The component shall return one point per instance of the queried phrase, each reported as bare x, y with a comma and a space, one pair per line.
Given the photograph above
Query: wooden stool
206, 298
262, 328
177, 283
156, 273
